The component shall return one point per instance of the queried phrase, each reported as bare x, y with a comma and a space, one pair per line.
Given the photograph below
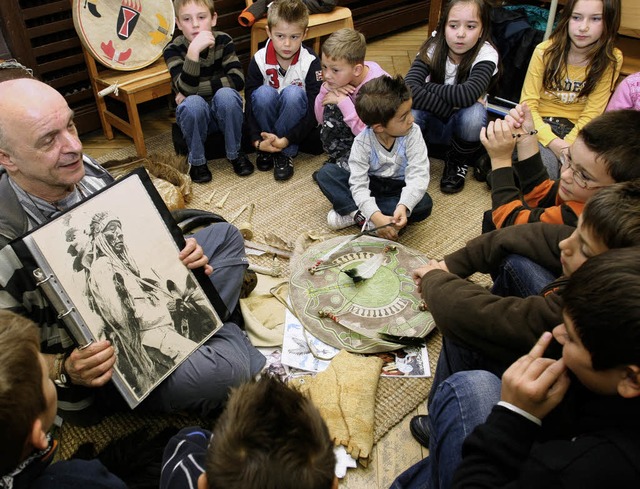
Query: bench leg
136, 126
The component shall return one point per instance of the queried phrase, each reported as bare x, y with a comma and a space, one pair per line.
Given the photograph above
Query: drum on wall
124, 34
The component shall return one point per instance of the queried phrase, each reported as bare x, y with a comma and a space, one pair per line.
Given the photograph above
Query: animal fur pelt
169, 174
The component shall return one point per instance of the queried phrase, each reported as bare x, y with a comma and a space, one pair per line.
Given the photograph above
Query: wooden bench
319, 25
134, 88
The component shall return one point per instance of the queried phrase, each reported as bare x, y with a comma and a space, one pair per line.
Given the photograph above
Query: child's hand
267, 145
202, 40
179, 98
521, 121
515, 117
272, 143
379, 219
337, 95
498, 140
418, 273
535, 384
400, 216
557, 145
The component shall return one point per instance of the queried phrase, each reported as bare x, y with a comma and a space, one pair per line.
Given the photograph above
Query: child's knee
294, 93
227, 99
264, 96
471, 120
192, 105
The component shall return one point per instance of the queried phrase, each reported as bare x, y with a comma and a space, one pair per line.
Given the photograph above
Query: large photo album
110, 268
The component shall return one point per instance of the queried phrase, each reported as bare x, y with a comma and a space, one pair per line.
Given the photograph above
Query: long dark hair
438, 60
601, 55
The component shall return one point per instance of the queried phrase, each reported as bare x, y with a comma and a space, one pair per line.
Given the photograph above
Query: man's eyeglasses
578, 176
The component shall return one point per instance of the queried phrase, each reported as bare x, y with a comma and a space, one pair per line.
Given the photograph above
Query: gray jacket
18, 292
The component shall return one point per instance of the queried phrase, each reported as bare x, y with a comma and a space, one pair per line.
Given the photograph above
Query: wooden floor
397, 450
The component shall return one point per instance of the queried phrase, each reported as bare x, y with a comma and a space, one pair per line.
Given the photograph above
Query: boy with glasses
606, 151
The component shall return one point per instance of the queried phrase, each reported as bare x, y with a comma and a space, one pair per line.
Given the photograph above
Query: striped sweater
443, 99
217, 68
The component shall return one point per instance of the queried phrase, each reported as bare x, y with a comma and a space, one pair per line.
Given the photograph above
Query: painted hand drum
358, 294
124, 34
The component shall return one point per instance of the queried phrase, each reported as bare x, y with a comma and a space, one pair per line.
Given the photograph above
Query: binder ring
66, 313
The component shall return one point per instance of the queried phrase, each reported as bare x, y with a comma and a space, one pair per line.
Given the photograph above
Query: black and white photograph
116, 263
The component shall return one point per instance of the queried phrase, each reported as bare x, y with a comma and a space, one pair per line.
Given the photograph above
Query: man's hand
91, 366
499, 142
418, 273
179, 98
202, 40
535, 384
192, 255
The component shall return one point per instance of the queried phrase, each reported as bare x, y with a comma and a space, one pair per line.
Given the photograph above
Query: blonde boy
283, 81
344, 71
207, 77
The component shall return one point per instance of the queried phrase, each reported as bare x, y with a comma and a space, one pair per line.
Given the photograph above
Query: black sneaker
249, 282
282, 167
242, 166
200, 173
264, 161
453, 178
419, 427
482, 168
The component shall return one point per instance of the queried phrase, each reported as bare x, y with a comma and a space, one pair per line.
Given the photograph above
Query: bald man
43, 172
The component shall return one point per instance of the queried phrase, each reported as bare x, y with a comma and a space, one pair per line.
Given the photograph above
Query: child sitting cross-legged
388, 174
283, 81
207, 77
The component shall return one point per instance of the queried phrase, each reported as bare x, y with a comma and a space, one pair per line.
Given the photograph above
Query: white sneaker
336, 221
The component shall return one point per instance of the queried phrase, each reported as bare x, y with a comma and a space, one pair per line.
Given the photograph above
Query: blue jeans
461, 403
201, 383
224, 245
519, 276
456, 358
464, 124
334, 184
198, 118
550, 162
279, 113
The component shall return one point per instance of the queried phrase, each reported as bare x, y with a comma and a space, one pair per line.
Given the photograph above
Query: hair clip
530, 133
433, 34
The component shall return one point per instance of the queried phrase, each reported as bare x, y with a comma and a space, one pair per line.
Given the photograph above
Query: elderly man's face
113, 234
40, 147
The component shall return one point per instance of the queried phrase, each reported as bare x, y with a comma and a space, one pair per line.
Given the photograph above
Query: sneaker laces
461, 171
282, 161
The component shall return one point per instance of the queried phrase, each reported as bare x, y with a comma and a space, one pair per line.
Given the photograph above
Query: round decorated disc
361, 295
126, 34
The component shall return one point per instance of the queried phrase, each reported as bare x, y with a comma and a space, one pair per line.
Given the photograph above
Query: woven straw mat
287, 210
